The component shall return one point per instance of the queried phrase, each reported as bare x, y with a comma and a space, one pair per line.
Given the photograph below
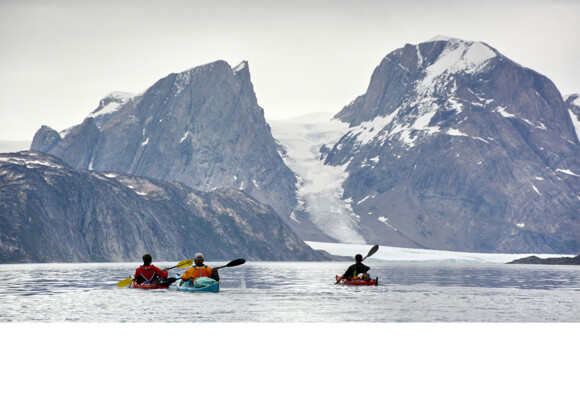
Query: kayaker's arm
215, 275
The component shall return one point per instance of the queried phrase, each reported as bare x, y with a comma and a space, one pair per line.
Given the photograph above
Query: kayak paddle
124, 282
235, 262
182, 264
373, 250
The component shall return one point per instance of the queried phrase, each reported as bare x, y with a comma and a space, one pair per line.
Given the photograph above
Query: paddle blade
124, 282
235, 262
373, 250
184, 264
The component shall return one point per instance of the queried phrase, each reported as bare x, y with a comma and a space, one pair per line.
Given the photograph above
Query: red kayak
357, 282
148, 285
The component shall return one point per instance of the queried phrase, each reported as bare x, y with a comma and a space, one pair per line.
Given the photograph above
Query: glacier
319, 187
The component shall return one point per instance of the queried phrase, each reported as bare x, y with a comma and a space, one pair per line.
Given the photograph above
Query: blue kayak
188, 287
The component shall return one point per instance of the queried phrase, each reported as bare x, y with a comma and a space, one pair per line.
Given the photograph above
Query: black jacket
355, 270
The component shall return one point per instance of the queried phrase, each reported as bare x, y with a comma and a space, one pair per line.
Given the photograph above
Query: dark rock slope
52, 213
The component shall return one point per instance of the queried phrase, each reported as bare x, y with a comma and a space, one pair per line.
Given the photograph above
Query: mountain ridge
454, 146
60, 214
202, 127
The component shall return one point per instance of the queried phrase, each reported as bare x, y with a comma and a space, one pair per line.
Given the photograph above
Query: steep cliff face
53, 213
202, 127
454, 146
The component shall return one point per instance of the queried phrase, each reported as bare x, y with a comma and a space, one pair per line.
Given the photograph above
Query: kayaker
149, 273
358, 269
200, 270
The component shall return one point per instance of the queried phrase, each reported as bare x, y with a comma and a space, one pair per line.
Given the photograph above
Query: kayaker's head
147, 259
358, 258
198, 258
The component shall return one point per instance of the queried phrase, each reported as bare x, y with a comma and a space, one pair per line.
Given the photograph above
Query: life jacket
196, 272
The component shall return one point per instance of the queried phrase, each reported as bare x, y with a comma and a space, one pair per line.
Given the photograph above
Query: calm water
296, 292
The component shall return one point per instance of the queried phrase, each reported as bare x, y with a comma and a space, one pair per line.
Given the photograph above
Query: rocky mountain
59, 214
456, 147
202, 127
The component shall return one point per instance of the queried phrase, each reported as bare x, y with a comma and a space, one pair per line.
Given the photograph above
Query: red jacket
148, 270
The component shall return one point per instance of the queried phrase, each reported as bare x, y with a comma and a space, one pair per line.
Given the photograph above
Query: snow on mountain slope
415, 114
111, 103
458, 57
573, 102
319, 186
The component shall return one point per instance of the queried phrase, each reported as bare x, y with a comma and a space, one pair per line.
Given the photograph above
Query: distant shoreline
534, 260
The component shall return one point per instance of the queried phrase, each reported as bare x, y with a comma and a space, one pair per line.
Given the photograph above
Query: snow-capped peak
458, 56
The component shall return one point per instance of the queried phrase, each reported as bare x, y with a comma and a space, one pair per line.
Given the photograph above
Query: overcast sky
59, 58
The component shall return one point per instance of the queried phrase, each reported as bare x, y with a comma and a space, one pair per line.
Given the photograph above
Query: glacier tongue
320, 186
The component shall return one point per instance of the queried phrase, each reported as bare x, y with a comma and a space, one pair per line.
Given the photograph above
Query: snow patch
145, 142
28, 163
422, 122
184, 137
456, 133
386, 222
567, 172
454, 105
117, 100
293, 217
504, 113
364, 199
458, 56
240, 67
536, 189
366, 131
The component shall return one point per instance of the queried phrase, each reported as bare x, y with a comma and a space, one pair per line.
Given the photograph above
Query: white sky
59, 58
